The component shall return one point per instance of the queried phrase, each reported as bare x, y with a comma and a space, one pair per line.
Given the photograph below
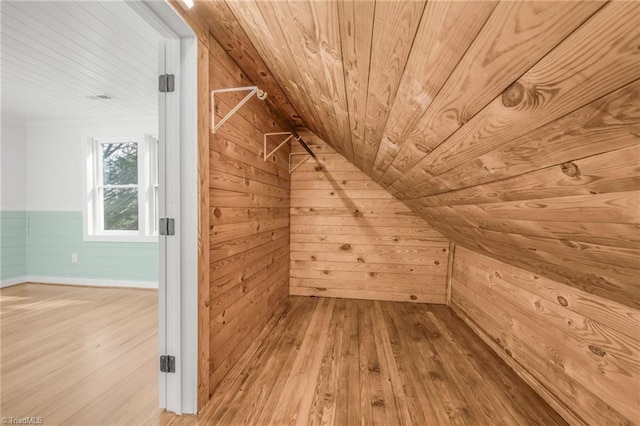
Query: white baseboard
91, 282
12, 281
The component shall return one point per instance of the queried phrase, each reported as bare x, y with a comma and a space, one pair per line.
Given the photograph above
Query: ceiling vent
102, 96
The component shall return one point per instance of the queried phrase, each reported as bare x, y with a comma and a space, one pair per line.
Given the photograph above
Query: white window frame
93, 217
153, 209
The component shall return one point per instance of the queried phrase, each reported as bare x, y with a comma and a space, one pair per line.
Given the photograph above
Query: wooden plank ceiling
512, 127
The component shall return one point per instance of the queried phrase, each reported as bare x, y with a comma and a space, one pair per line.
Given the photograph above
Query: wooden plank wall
350, 238
581, 352
215, 25
249, 220
561, 201
204, 260
512, 127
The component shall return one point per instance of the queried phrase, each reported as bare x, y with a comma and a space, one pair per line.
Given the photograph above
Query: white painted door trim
178, 291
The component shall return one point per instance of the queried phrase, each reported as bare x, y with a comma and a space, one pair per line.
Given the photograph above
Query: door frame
178, 287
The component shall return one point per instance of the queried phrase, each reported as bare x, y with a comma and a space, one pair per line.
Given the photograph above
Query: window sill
122, 238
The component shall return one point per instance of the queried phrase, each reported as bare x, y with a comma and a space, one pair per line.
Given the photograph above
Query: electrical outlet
74, 257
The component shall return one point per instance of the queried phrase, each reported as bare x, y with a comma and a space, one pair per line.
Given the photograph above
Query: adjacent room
79, 203
408, 212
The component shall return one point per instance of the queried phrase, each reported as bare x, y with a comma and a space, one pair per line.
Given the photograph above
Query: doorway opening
92, 152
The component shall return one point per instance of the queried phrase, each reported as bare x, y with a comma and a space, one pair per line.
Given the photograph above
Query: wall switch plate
74, 257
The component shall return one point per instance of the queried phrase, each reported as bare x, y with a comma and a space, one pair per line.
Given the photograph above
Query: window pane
120, 163
120, 209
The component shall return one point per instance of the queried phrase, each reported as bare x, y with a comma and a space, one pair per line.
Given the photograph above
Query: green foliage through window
120, 167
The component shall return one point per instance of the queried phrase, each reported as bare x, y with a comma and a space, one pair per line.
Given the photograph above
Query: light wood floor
78, 355
349, 362
84, 356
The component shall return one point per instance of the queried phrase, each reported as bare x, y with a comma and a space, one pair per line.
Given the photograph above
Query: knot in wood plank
570, 169
513, 95
597, 350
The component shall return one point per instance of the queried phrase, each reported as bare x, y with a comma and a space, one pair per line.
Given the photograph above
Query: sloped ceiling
512, 127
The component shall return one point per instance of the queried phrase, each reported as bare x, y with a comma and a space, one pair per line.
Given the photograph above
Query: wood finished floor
350, 362
78, 355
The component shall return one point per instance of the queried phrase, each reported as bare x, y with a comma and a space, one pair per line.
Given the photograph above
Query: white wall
55, 173
13, 148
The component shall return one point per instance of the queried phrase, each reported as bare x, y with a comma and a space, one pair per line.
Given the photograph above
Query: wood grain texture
376, 249
267, 24
248, 222
215, 18
79, 355
614, 171
520, 117
560, 336
446, 31
356, 32
394, 30
515, 37
606, 124
204, 300
336, 361
512, 128
567, 262
231, 36
318, 29
598, 58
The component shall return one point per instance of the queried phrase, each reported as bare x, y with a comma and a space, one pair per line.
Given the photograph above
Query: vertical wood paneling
204, 298
350, 238
248, 234
559, 336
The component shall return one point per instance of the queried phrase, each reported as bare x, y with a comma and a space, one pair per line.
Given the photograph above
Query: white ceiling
56, 53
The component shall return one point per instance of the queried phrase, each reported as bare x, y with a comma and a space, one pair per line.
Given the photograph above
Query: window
122, 176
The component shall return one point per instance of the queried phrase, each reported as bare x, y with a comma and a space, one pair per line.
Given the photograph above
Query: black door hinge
167, 364
167, 83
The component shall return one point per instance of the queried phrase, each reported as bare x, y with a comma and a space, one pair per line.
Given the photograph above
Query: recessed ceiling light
101, 96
